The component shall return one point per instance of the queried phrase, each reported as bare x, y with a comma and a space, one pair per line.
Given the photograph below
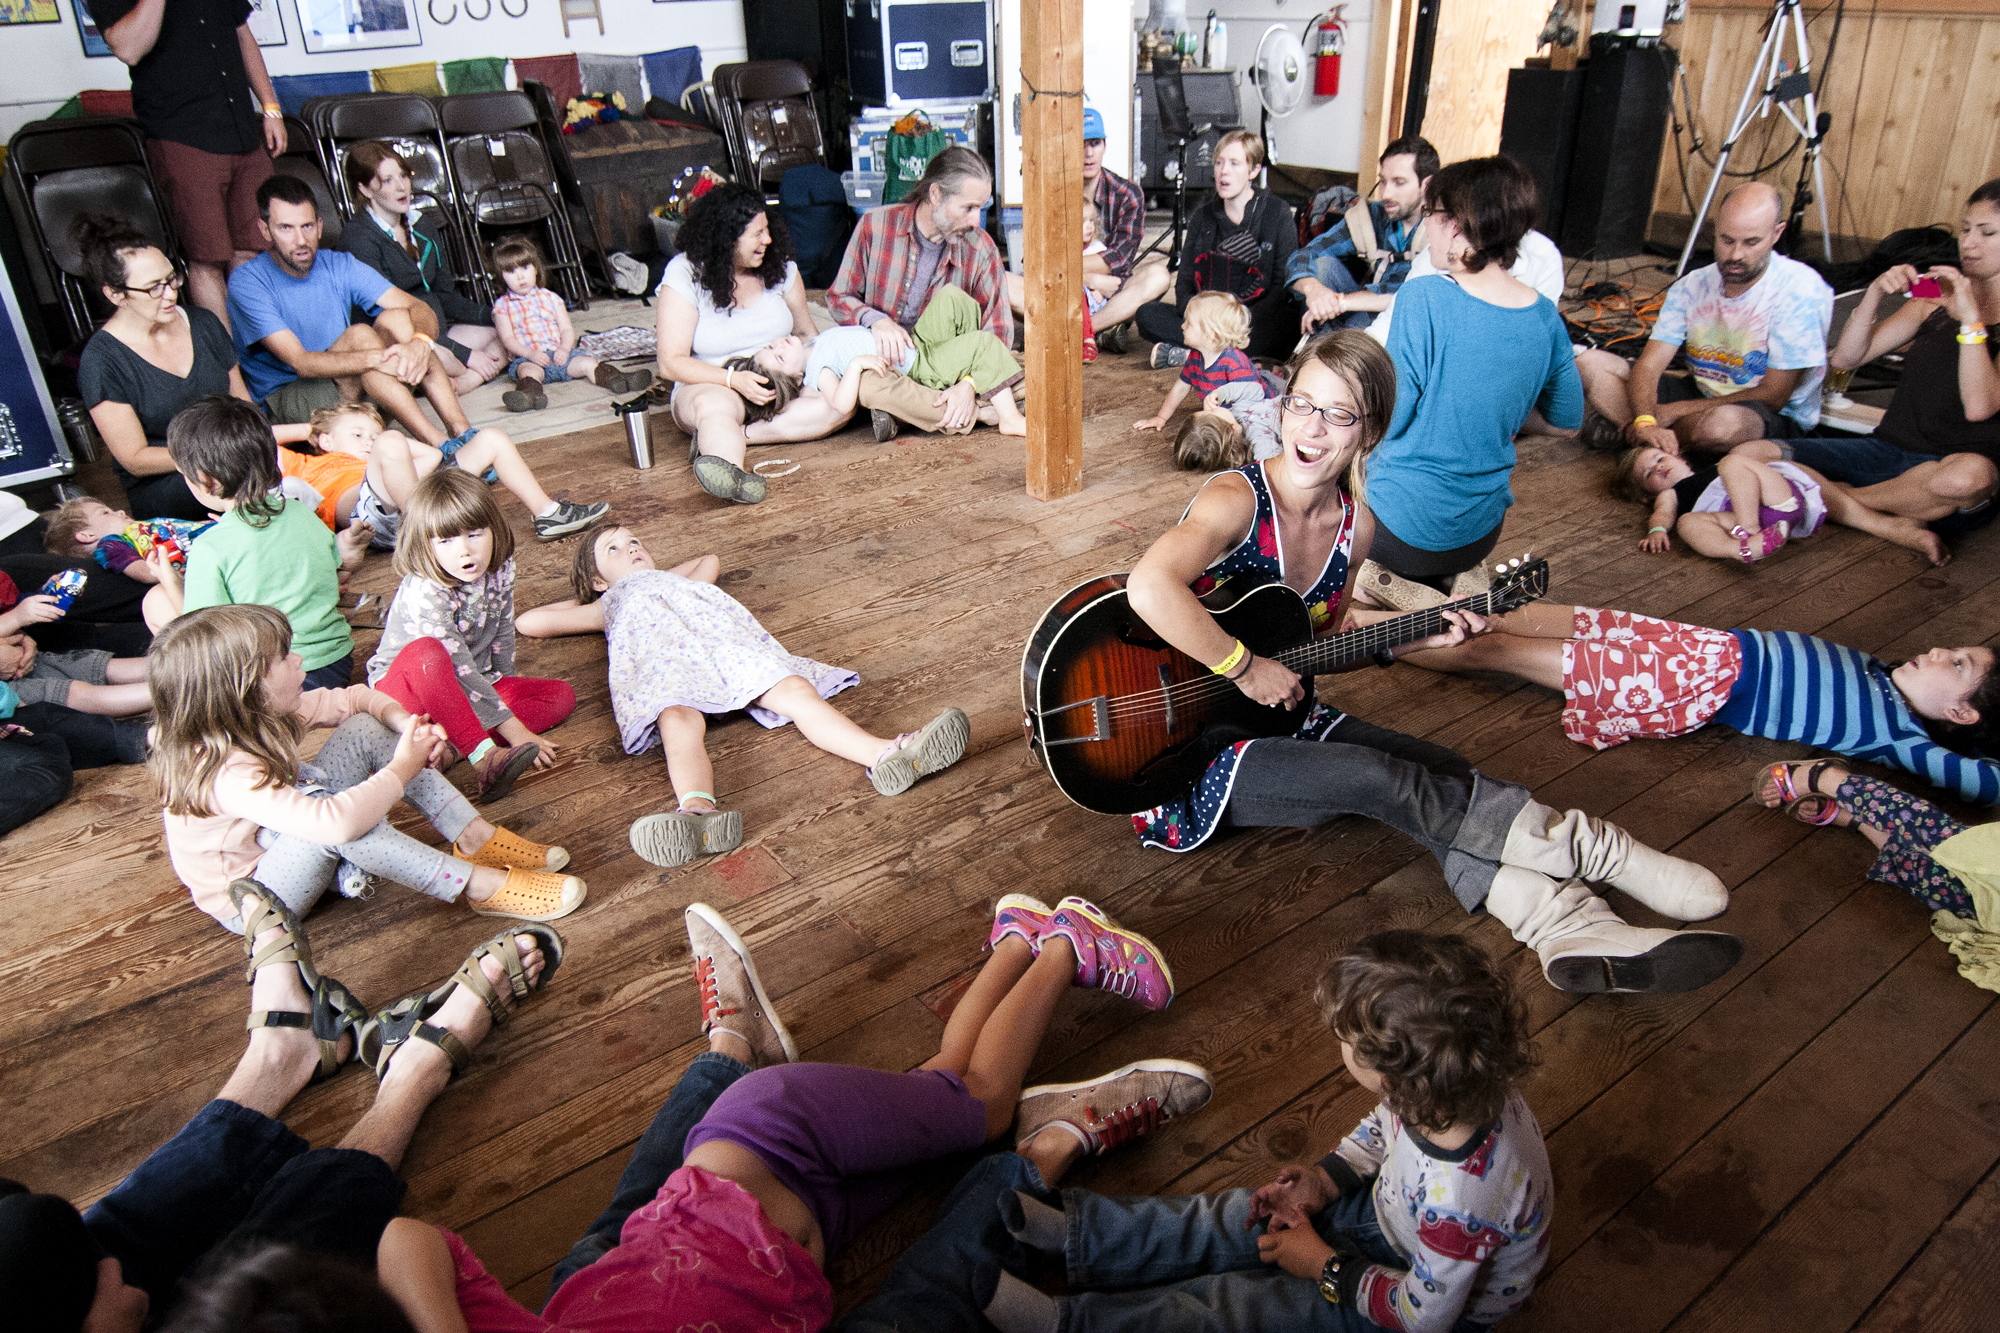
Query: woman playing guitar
1297, 518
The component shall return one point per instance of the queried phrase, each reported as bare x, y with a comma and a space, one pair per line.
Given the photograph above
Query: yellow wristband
1228, 664
1645, 419
273, 109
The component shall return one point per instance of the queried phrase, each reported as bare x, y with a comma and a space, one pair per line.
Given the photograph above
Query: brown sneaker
732, 998
502, 768
1122, 1105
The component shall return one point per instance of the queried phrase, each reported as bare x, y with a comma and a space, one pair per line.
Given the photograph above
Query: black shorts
1683, 389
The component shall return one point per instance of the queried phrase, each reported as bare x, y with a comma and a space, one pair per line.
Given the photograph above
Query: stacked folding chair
408, 123
301, 159
505, 179
66, 168
765, 108
581, 223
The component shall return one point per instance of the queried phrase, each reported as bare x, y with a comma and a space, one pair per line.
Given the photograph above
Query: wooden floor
1809, 1143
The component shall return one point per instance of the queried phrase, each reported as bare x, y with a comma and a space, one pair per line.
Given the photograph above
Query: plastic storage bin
864, 188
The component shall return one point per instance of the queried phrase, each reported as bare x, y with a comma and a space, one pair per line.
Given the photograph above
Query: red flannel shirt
1121, 208
881, 261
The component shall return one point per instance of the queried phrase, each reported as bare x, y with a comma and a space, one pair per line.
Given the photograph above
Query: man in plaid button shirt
1121, 208
899, 256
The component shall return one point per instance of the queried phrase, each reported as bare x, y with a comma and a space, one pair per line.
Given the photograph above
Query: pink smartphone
1926, 289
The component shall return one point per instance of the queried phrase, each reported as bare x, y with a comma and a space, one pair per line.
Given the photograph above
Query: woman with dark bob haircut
152, 358
1476, 350
731, 290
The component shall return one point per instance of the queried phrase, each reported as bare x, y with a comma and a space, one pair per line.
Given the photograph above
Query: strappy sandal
510, 851
335, 1012
261, 909
674, 838
1754, 546
408, 1018
1810, 806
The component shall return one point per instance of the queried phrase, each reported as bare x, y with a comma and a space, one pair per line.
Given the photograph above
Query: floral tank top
1184, 824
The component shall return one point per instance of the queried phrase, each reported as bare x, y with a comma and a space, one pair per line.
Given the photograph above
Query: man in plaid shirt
1121, 209
899, 255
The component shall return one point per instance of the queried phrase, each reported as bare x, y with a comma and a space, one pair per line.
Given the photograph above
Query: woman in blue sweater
1624, 675
1475, 350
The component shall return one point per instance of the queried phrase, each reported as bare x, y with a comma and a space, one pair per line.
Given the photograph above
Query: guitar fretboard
1321, 655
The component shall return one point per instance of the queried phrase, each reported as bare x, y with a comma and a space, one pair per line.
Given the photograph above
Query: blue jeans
1331, 271
944, 1281
1199, 1259
234, 1176
660, 1152
1869, 460
332, 676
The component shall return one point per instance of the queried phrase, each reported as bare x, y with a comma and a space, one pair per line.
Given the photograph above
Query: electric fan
1279, 71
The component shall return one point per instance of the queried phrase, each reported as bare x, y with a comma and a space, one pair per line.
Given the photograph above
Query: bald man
1753, 326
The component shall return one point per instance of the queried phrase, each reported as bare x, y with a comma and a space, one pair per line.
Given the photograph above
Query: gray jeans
1459, 815
300, 871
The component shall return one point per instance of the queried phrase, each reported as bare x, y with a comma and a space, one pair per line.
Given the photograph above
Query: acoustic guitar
1125, 721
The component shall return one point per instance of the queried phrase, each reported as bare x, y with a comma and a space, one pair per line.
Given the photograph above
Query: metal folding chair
501, 167
768, 119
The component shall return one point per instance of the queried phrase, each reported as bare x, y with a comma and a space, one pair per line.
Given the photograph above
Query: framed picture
29, 11
86, 26
267, 22
355, 25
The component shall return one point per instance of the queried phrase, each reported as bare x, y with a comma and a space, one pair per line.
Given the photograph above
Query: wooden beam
1382, 113
1052, 239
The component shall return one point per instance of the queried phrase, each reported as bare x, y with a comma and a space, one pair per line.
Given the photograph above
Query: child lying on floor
1744, 509
681, 649
1237, 425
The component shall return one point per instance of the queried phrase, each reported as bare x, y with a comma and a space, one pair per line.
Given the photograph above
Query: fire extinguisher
1332, 39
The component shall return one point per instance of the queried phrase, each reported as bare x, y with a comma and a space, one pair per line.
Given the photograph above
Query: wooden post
1052, 241
1382, 113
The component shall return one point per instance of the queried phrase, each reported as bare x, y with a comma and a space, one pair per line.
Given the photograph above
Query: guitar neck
1322, 655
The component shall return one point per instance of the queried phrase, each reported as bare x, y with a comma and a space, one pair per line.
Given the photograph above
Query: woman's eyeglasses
1301, 406
156, 290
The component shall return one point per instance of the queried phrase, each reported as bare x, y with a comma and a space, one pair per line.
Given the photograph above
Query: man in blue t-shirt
289, 316
1753, 326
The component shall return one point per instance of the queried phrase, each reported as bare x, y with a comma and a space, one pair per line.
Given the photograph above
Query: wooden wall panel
1915, 98
1476, 45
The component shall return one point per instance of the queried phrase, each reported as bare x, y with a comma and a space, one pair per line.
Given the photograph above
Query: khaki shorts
213, 197
293, 404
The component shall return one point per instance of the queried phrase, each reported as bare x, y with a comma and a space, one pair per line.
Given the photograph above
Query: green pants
951, 344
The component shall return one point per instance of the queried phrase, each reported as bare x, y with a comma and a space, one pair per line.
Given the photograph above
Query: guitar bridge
1167, 693
1100, 718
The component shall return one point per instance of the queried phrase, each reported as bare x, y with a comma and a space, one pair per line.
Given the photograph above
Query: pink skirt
1627, 675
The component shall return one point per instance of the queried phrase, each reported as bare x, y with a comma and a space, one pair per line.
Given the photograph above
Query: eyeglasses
1301, 406
158, 289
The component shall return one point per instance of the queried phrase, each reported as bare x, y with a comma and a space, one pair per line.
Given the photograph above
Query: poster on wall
267, 22
86, 27
355, 25
28, 11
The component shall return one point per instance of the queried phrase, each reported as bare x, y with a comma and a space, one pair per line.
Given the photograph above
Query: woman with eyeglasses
1301, 519
1476, 349
152, 358
406, 245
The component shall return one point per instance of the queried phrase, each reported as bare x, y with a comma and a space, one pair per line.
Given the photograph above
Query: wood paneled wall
1476, 45
1915, 98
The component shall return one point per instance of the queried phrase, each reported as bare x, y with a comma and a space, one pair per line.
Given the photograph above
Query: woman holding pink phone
1933, 456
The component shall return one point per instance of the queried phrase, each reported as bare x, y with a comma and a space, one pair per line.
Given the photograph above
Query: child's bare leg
1752, 484
392, 469
822, 724
1843, 508
492, 448
1532, 659
109, 700
1008, 965
1005, 1048
1709, 534
1009, 416
581, 367
682, 731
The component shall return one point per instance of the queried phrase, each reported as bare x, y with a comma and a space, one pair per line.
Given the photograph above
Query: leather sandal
335, 1012
261, 909
533, 895
510, 851
1774, 786
408, 1018
502, 768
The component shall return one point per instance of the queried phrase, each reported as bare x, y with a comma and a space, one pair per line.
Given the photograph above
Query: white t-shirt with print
1539, 264
1781, 323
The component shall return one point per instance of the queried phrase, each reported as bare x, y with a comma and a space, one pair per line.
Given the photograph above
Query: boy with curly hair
1433, 1215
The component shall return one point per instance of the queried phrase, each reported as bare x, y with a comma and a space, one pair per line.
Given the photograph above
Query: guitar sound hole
1140, 635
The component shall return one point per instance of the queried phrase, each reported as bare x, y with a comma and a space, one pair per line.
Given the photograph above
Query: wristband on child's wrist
1650, 531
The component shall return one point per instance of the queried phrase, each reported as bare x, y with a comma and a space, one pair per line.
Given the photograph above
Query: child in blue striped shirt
1624, 675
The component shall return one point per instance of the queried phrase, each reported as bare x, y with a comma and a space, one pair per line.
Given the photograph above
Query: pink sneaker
1018, 914
1110, 957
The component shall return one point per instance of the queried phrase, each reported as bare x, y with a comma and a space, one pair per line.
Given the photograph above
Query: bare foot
465, 1016
278, 988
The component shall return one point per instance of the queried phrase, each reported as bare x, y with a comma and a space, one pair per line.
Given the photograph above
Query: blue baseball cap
1093, 124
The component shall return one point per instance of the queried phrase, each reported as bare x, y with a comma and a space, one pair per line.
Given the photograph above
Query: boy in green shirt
265, 550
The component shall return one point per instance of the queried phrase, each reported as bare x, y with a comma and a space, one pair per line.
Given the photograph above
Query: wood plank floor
1810, 1143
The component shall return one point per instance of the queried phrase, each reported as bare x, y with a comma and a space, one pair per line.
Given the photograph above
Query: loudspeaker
1621, 124
1211, 100
1538, 130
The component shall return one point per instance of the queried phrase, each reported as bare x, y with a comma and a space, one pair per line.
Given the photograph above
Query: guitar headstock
1517, 582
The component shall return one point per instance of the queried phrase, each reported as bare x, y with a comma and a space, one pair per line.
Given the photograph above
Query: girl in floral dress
680, 649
